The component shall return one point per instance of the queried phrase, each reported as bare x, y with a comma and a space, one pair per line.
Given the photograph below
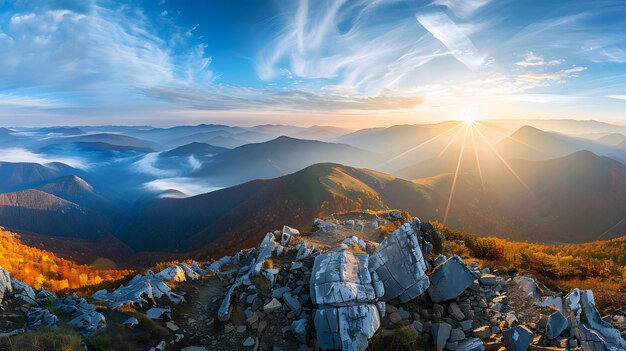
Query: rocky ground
359, 281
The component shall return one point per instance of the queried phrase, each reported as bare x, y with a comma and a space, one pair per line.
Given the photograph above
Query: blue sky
348, 63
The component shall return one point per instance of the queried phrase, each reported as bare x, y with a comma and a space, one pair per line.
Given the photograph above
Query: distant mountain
74, 189
68, 131
577, 198
93, 149
395, 139
564, 126
23, 175
7, 138
195, 149
232, 218
39, 212
223, 138
612, 139
278, 157
530, 143
107, 138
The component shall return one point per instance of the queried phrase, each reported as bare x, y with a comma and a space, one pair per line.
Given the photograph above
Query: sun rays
471, 130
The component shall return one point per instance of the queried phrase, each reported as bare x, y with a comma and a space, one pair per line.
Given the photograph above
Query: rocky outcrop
400, 265
595, 334
142, 290
336, 288
84, 315
449, 279
343, 290
37, 317
5, 283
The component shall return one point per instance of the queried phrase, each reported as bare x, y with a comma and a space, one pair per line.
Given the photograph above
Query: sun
467, 119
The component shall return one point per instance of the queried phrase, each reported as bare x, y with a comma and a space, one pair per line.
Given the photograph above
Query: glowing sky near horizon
347, 63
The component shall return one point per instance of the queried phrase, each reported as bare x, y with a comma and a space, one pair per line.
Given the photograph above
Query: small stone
249, 342
441, 334
456, 335
466, 325
455, 311
483, 332
488, 279
395, 317
272, 306
262, 325
171, 326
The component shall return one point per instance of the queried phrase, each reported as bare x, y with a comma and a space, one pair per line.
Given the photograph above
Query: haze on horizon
345, 63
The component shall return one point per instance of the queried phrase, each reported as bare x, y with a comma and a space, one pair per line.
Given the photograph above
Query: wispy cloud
530, 59
463, 8
565, 73
446, 31
23, 155
96, 54
231, 99
187, 186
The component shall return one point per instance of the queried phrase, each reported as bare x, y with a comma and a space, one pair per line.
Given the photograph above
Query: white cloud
530, 59
618, 97
463, 8
146, 165
23, 155
102, 54
566, 73
187, 186
446, 31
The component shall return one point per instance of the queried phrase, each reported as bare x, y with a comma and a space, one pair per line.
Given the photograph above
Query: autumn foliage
41, 268
599, 265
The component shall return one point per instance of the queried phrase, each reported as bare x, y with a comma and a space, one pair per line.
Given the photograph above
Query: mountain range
153, 190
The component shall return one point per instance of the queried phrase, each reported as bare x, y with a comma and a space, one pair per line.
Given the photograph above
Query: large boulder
341, 277
449, 280
517, 338
596, 334
399, 264
37, 317
287, 233
557, 323
348, 328
84, 315
344, 291
23, 291
178, 273
139, 291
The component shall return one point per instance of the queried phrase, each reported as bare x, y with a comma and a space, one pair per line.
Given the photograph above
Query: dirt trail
196, 317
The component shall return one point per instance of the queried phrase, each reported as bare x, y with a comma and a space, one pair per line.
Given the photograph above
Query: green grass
64, 338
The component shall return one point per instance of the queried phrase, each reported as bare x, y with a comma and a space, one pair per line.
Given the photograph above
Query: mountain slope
561, 196
278, 157
234, 217
194, 149
39, 212
23, 175
107, 138
612, 139
529, 143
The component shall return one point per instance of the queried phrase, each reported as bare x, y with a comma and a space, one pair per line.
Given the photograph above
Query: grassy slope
599, 265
